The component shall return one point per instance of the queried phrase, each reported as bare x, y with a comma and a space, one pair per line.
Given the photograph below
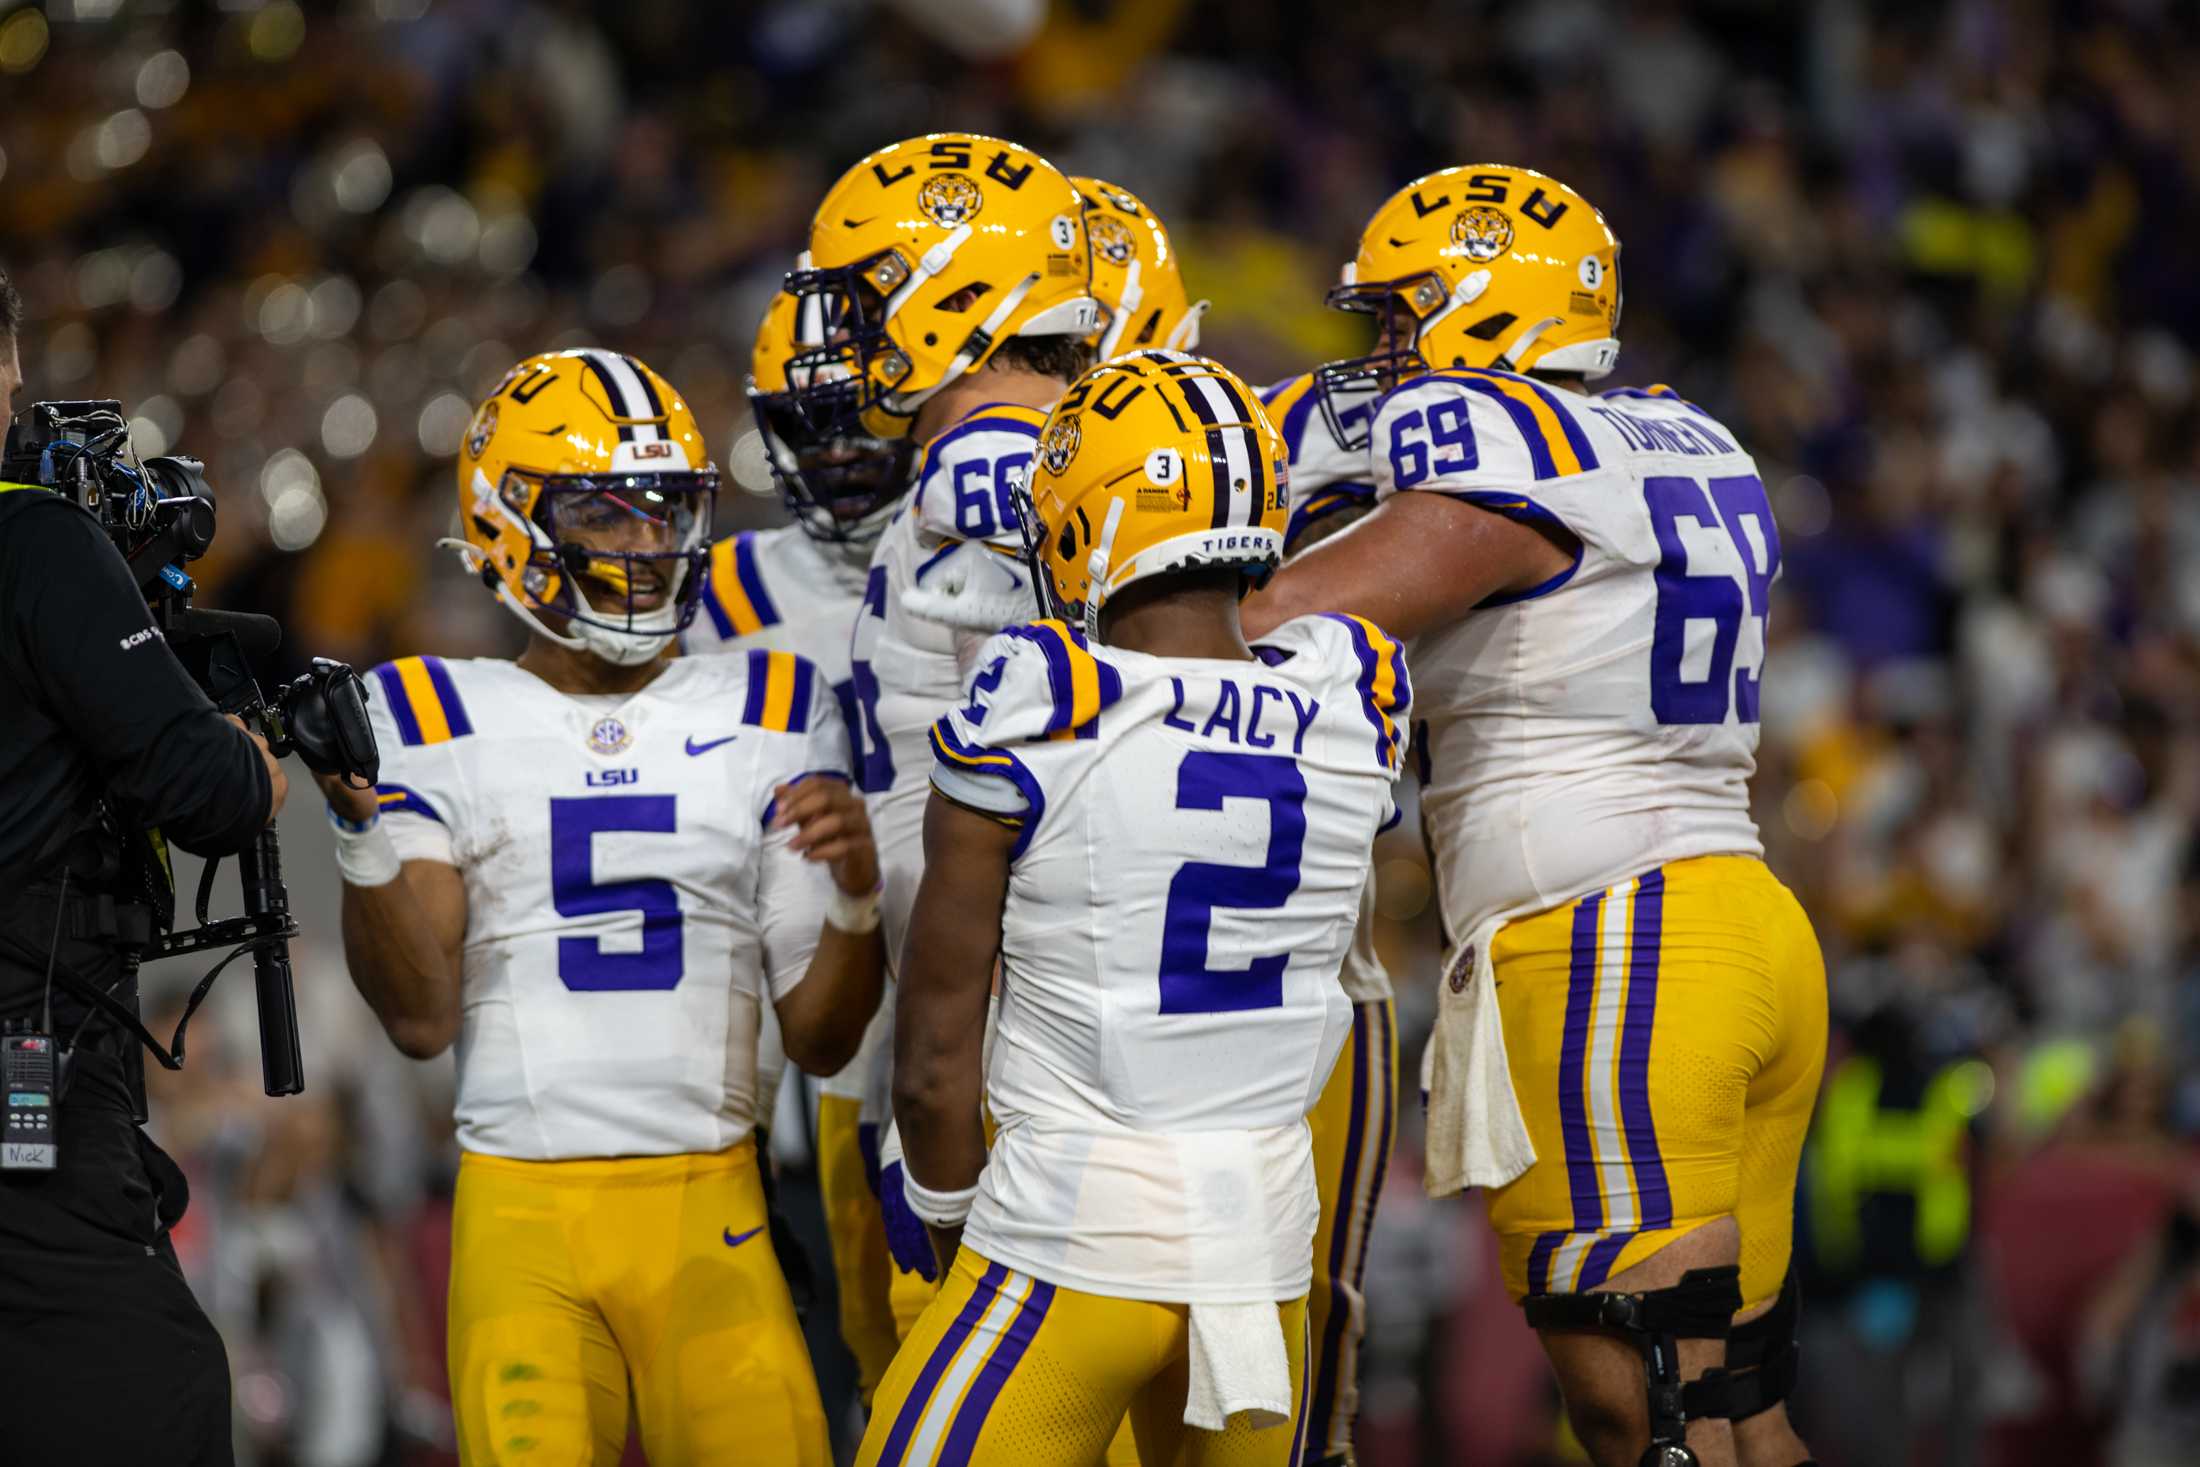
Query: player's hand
906, 1235
829, 825
353, 802
278, 783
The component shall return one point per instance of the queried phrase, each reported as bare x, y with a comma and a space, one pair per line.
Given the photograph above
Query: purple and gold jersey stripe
1556, 445
780, 688
423, 700
1384, 686
737, 602
952, 751
1614, 1165
946, 1410
392, 798
1083, 685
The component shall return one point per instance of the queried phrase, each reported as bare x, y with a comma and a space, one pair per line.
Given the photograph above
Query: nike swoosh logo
1396, 244
856, 223
704, 748
735, 1240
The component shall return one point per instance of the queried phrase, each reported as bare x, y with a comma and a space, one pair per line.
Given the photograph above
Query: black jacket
92, 701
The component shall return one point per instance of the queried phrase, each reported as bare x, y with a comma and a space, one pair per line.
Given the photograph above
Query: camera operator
104, 1354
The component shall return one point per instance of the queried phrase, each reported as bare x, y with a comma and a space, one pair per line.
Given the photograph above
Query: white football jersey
783, 591
909, 668
627, 911
1194, 845
1605, 722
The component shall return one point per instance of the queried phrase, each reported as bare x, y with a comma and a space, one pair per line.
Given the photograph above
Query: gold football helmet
1135, 275
926, 256
586, 499
839, 487
1158, 461
1480, 266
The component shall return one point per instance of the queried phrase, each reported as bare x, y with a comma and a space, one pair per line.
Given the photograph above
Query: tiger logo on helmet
912, 293
1485, 265
585, 498
1135, 275
1156, 462
948, 199
1481, 233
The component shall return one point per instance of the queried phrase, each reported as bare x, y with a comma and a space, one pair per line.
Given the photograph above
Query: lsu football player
954, 280
797, 588
1585, 582
591, 868
1163, 835
1137, 277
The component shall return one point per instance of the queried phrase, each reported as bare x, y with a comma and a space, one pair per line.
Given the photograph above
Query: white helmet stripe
630, 395
1237, 474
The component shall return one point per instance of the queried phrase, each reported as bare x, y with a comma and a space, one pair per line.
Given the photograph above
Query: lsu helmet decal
840, 486
1158, 461
1136, 275
1480, 266
923, 258
585, 497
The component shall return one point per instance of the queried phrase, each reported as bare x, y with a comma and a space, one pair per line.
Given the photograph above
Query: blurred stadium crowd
1931, 261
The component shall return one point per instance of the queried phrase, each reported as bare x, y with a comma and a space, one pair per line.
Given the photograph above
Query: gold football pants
1005, 1370
571, 1279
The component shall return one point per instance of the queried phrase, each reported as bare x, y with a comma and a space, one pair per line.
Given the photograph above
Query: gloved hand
906, 1237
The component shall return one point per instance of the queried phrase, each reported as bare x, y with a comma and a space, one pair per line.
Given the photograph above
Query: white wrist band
940, 1209
366, 857
854, 915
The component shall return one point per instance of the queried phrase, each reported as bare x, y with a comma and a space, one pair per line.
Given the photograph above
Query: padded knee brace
1761, 1358
1700, 1307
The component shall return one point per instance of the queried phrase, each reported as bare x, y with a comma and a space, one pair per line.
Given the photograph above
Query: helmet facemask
858, 368
620, 559
1403, 309
839, 486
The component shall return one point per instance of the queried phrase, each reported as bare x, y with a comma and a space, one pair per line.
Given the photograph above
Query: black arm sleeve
106, 675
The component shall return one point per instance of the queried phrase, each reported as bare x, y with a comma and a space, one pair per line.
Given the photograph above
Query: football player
1138, 279
1163, 836
591, 867
797, 588
1585, 580
953, 275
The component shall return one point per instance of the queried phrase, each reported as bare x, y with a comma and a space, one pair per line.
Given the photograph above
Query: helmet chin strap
1466, 293
1184, 336
625, 649
976, 344
1522, 340
1126, 311
1096, 569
